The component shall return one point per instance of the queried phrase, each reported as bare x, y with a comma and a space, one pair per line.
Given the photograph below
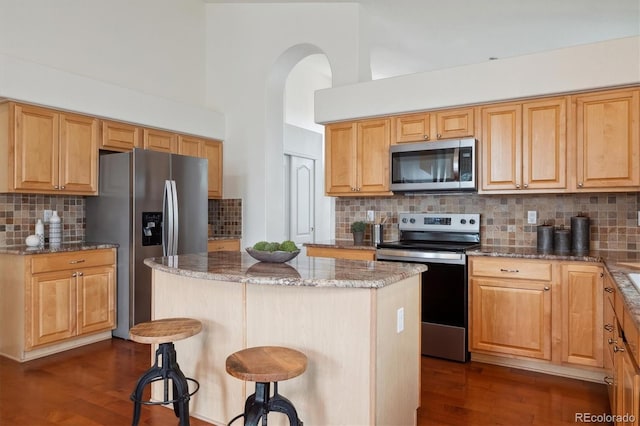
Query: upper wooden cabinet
191, 146
47, 151
357, 158
524, 146
212, 151
435, 125
160, 140
608, 140
120, 137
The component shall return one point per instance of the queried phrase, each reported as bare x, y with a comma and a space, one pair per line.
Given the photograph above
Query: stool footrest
166, 402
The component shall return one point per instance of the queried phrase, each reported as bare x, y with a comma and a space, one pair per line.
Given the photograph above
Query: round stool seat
165, 330
266, 364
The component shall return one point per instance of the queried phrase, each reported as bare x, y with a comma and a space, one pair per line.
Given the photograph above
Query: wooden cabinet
58, 301
435, 125
582, 314
608, 140
47, 151
212, 151
121, 137
511, 307
231, 244
160, 140
341, 253
70, 294
357, 158
524, 146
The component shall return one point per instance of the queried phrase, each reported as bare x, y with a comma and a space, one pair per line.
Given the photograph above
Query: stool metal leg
259, 404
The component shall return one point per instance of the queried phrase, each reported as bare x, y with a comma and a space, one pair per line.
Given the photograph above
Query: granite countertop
340, 244
301, 271
26, 250
611, 259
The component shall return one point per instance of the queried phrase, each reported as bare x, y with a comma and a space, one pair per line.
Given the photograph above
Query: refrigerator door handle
175, 218
167, 214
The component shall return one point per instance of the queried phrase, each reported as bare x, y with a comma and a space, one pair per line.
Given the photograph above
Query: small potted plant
357, 229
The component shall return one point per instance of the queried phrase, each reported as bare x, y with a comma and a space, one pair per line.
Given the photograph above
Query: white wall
141, 61
609, 63
246, 76
310, 74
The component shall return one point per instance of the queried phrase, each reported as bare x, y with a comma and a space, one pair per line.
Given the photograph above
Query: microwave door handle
456, 165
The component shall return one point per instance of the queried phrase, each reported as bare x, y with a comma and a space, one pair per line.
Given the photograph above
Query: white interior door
301, 197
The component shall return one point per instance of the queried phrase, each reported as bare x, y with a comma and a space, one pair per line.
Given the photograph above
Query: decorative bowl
272, 256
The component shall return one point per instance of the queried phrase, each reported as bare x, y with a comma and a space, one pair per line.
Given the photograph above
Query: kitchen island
356, 321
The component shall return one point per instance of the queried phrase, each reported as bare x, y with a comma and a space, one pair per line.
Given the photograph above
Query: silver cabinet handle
608, 380
580, 185
546, 288
608, 289
73, 262
509, 270
517, 186
80, 274
612, 341
426, 137
526, 185
439, 135
617, 348
608, 327
74, 275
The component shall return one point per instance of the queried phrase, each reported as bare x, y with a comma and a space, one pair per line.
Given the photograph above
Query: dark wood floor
91, 386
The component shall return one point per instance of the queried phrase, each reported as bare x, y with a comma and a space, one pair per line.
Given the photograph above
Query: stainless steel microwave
447, 165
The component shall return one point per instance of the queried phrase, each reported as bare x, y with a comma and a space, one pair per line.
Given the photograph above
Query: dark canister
580, 234
545, 239
562, 240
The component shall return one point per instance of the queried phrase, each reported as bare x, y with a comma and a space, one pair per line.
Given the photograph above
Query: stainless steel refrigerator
152, 204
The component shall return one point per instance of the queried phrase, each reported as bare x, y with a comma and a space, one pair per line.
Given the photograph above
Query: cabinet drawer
223, 245
71, 260
510, 268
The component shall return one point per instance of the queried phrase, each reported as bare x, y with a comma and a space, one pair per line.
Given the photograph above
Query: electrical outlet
371, 216
532, 217
400, 320
47, 215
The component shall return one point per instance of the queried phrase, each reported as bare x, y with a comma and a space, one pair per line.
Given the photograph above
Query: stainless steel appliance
151, 204
448, 165
440, 241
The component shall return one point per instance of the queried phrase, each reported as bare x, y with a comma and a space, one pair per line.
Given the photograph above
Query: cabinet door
582, 314
501, 147
159, 140
454, 123
212, 151
511, 317
374, 139
608, 141
627, 404
96, 299
190, 145
78, 154
544, 144
51, 315
120, 137
340, 158
36, 149
412, 128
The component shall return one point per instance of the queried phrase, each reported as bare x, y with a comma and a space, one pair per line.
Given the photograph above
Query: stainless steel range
440, 241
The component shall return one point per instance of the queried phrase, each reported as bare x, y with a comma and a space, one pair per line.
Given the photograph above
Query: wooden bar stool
164, 332
264, 365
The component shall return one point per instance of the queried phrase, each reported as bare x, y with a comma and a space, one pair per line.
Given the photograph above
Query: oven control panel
446, 222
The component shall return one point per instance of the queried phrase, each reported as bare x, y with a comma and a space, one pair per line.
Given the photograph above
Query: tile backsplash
20, 212
613, 216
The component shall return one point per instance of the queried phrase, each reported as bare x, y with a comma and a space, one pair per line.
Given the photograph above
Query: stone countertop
340, 244
300, 271
26, 250
611, 259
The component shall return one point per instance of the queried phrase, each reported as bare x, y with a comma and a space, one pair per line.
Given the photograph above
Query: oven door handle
420, 256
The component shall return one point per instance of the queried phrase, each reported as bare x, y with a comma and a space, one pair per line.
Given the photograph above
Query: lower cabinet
64, 298
231, 244
537, 309
511, 307
342, 253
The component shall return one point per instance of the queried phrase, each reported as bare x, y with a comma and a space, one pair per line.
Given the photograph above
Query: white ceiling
409, 36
